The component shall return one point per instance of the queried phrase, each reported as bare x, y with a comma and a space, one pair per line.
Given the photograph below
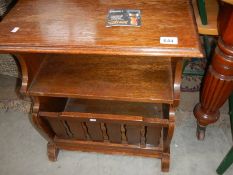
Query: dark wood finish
218, 83
71, 26
95, 88
113, 129
97, 124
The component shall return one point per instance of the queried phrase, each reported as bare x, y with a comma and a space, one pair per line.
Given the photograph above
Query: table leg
218, 83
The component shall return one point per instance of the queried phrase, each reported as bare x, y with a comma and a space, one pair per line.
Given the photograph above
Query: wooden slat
67, 128
57, 127
114, 132
143, 136
104, 132
94, 131
84, 126
123, 134
76, 129
133, 134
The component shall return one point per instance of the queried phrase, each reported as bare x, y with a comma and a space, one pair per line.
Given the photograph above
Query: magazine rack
109, 90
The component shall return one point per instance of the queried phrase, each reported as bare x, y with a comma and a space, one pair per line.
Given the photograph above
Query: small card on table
123, 17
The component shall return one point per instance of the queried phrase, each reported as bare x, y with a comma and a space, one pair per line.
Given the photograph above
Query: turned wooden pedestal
218, 81
109, 90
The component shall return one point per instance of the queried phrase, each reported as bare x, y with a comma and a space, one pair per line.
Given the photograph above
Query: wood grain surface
78, 26
140, 79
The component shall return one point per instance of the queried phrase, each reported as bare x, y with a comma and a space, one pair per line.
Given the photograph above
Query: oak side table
109, 90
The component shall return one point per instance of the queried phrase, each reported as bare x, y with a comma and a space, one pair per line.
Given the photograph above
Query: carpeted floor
10, 98
10, 78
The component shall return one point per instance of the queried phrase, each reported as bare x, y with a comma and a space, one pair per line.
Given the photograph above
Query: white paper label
15, 29
92, 120
168, 40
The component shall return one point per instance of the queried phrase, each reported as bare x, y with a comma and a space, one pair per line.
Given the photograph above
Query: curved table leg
218, 82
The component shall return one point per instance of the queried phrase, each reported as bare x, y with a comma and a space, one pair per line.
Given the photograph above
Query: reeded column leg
218, 82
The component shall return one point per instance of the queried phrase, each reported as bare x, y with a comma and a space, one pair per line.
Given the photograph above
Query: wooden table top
78, 26
212, 14
228, 1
